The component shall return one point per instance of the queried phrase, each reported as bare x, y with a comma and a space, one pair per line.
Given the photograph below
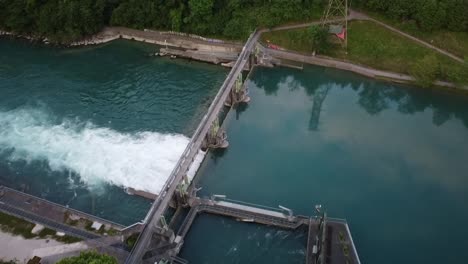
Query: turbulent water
141, 160
78, 125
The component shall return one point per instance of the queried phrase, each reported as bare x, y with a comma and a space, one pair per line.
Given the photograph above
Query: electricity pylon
336, 17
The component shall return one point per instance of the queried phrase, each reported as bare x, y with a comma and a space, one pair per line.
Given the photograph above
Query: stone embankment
162, 38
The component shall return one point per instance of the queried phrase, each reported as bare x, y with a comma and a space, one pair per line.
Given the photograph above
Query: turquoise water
223, 240
390, 159
77, 125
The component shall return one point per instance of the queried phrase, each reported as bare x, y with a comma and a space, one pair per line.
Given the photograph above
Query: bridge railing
269, 208
197, 135
189, 153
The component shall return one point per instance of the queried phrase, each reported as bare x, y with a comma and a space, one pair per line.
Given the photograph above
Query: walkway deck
52, 211
182, 166
51, 215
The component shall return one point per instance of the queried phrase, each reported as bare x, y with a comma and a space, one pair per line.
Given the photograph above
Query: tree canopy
67, 20
429, 15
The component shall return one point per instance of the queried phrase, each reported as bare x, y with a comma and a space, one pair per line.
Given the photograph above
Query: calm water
77, 123
391, 160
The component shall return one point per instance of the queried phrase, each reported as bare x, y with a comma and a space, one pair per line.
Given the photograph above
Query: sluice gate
328, 239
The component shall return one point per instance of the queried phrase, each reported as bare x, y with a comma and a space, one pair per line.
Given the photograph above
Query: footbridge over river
161, 203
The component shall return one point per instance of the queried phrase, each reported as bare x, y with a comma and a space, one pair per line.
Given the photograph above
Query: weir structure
152, 222
329, 239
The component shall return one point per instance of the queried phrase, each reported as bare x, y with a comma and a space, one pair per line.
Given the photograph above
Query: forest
426, 15
68, 20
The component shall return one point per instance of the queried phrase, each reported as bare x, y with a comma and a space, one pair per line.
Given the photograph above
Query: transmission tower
335, 17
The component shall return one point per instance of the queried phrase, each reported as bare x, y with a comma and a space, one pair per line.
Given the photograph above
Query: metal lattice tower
336, 14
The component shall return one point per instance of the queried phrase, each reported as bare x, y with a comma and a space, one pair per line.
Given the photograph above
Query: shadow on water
389, 158
374, 97
240, 108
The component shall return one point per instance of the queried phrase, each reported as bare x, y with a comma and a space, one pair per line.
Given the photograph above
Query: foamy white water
142, 161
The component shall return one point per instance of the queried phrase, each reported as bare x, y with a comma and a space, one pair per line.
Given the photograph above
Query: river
390, 159
78, 125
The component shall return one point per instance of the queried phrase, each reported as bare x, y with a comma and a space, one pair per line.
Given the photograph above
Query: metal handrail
252, 205
352, 244
195, 136
191, 147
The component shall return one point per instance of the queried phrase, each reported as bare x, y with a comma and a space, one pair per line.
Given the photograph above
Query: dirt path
354, 15
422, 42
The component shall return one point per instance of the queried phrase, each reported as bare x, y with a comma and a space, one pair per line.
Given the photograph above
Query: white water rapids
142, 161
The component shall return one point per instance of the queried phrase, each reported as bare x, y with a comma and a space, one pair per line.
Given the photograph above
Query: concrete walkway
17, 247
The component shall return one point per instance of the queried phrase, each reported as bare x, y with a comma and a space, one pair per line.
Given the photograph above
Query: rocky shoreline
92, 40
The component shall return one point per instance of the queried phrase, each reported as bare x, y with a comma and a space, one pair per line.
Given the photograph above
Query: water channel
77, 125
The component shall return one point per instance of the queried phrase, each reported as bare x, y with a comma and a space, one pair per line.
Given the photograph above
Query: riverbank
287, 55
183, 45
218, 51
374, 46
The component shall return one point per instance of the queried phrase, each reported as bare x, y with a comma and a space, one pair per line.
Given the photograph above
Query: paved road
46, 222
109, 244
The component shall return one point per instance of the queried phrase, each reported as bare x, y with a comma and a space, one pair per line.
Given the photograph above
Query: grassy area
17, 226
292, 39
453, 42
67, 239
8, 261
131, 240
371, 45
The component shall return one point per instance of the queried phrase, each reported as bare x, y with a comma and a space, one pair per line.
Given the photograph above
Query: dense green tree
89, 257
457, 15
59, 20
426, 71
429, 14
318, 38
67, 20
458, 76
